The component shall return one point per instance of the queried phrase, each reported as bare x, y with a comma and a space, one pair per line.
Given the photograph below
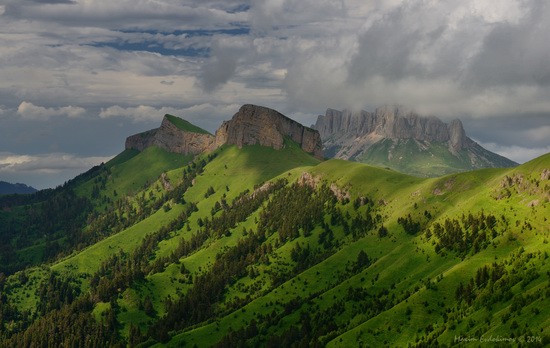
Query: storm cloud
77, 77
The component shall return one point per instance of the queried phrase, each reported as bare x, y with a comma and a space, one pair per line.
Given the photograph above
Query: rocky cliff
250, 125
260, 125
390, 122
173, 138
401, 139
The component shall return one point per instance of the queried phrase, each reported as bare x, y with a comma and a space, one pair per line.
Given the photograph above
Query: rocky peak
174, 135
251, 125
391, 122
457, 136
254, 124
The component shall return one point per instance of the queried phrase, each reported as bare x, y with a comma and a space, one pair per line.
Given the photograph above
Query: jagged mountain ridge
394, 137
251, 125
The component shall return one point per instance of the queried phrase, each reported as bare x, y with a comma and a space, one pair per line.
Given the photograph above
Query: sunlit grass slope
403, 294
426, 159
407, 266
238, 169
185, 125
131, 170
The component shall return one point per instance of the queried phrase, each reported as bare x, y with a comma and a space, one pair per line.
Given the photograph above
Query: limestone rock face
398, 138
457, 136
254, 124
250, 125
390, 122
387, 122
169, 137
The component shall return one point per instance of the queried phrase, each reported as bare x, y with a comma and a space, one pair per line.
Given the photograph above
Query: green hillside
40, 227
261, 247
425, 159
185, 125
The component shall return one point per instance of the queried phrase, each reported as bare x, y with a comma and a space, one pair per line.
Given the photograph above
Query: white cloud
516, 153
51, 163
206, 115
479, 60
30, 111
126, 14
140, 113
45, 170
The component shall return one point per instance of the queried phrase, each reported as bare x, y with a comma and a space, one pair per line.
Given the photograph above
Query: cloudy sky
79, 76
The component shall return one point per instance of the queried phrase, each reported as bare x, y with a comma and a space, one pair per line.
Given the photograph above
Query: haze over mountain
9, 188
403, 140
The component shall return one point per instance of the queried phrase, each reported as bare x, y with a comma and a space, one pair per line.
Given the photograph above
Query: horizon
79, 77
213, 131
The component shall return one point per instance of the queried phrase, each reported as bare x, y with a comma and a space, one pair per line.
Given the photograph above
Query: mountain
259, 125
8, 188
251, 125
257, 246
174, 135
402, 140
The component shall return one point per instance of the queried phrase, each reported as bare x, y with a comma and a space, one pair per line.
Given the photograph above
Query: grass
403, 263
424, 159
131, 175
89, 260
131, 171
185, 125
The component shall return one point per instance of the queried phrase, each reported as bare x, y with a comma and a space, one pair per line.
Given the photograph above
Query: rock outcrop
403, 140
393, 123
260, 125
249, 126
171, 138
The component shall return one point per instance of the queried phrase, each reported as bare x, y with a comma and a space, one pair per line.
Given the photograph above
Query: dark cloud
385, 50
77, 77
54, 1
217, 71
127, 14
523, 130
222, 64
516, 54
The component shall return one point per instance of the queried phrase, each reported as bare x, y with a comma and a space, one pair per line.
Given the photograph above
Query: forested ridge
225, 257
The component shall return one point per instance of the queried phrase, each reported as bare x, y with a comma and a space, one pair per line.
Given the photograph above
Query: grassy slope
402, 260
129, 174
457, 194
131, 170
409, 156
238, 169
185, 125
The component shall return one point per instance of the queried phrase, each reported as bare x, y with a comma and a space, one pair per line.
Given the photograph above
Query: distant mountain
404, 141
8, 188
